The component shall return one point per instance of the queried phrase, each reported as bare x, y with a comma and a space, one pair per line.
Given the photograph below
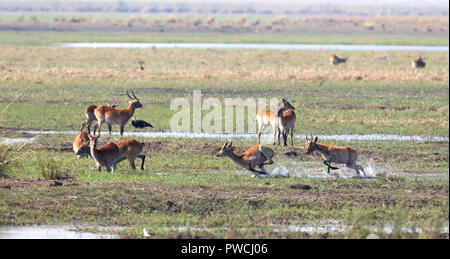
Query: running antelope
104, 156
257, 155
81, 144
418, 63
89, 112
286, 122
269, 118
112, 115
333, 154
335, 60
131, 149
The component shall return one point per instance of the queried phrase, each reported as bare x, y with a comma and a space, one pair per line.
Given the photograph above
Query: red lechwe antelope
131, 149
112, 115
110, 154
89, 112
333, 154
286, 122
81, 144
418, 63
269, 118
335, 60
106, 155
257, 155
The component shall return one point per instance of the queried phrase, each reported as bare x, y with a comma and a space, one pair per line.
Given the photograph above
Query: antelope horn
225, 145
231, 143
133, 94
129, 96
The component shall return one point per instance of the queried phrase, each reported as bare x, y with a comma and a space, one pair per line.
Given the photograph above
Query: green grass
48, 38
388, 98
184, 184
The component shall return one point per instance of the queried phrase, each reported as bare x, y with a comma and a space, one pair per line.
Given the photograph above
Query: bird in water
140, 123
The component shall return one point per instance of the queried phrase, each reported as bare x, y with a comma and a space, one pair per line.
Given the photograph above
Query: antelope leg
329, 165
256, 171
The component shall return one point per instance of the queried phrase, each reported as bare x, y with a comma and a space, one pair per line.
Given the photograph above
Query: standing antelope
333, 154
286, 122
269, 118
335, 60
89, 112
131, 149
112, 115
254, 156
106, 155
418, 63
81, 144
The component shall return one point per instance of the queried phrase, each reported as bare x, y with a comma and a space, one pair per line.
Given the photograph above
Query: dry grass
59, 65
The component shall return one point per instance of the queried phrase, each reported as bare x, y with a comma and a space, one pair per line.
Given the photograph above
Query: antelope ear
315, 140
233, 149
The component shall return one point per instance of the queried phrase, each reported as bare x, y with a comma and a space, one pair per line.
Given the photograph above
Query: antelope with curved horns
335, 60
131, 149
89, 112
116, 116
418, 63
286, 122
257, 155
269, 118
334, 154
104, 156
81, 144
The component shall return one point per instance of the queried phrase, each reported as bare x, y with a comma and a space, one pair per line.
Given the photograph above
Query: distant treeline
234, 7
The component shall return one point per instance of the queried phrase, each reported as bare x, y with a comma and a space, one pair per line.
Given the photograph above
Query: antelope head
225, 150
287, 105
311, 144
93, 140
134, 101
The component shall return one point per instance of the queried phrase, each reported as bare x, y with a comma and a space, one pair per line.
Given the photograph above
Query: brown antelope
106, 155
89, 112
418, 63
335, 60
333, 154
131, 149
81, 144
257, 155
286, 122
269, 118
112, 115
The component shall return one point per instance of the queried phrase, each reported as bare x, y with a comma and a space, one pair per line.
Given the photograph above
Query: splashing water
280, 171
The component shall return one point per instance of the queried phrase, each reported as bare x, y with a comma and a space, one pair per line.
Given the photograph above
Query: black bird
141, 63
140, 124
